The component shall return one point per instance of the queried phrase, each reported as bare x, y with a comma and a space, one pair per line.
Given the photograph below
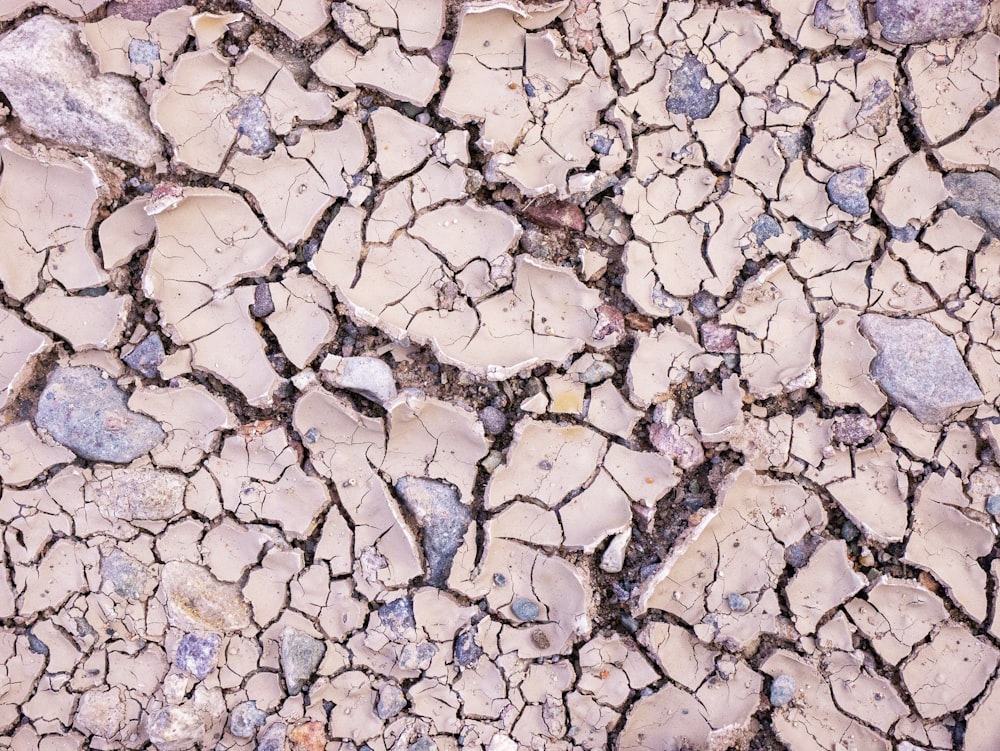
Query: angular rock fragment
443, 518
57, 93
196, 601
919, 367
197, 654
368, 376
919, 21
85, 411
245, 718
692, 92
175, 728
101, 713
300, 656
849, 188
976, 195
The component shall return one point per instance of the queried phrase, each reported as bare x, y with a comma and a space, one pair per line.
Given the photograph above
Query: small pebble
705, 304
993, 504
738, 603
782, 690
525, 609
494, 421
849, 532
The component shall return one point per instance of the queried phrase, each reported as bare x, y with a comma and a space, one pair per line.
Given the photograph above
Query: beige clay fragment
628, 669
303, 320
192, 419
861, 694
983, 722
661, 361
778, 332
134, 48
346, 446
24, 456
947, 672
950, 81
298, 20
58, 236
947, 544
128, 229
975, 149
746, 558
207, 106
209, 27
406, 78
876, 474
420, 23
845, 359
600, 511
825, 582
812, 719
85, 322
18, 349
909, 197
291, 194
609, 411
545, 462
401, 145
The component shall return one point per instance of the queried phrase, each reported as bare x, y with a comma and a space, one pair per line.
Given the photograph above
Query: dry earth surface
411, 375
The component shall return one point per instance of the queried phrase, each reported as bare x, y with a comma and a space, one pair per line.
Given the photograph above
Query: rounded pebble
993, 504
849, 531
782, 690
738, 603
525, 609
493, 420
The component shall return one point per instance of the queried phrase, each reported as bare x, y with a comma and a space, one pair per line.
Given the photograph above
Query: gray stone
273, 738
369, 377
993, 504
251, 121
692, 91
782, 690
764, 228
85, 411
443, 518
175, 728
919, 21
197, 654
597, 372
919, 367
705, 303
301, 654
397, 619
976, 196
467, 652
849, 190
738, 603
245, 719
525, 609
391, 701
853, 428
494, 421
263, 303
56, 91
147, 356
130, 578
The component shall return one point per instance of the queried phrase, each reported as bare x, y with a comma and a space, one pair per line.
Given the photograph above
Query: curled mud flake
386, 68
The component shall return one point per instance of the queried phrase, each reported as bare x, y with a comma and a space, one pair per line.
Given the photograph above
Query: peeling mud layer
570, 375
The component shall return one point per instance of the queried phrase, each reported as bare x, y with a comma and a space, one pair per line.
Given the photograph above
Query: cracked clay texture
499, 375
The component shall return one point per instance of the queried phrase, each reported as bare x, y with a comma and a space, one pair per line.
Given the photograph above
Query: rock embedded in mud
85, 411
919, 21
919, 367
56, 92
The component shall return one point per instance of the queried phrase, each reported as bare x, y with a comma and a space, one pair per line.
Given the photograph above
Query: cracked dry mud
584, 374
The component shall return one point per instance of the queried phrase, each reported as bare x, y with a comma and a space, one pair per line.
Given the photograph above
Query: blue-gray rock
130, 578
467, 652
919, 21
397, 618
301, 654
782, 690
494, 421
692, 91
85, 411
976, 196
525, 609
391, 701
849, 190
250, 119
993, 504
245, 719
443, 518
738, 603
197, 655
764, 228
56, 91
919, 367
147, 356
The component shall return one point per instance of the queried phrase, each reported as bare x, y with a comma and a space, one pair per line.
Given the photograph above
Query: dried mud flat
417, 375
